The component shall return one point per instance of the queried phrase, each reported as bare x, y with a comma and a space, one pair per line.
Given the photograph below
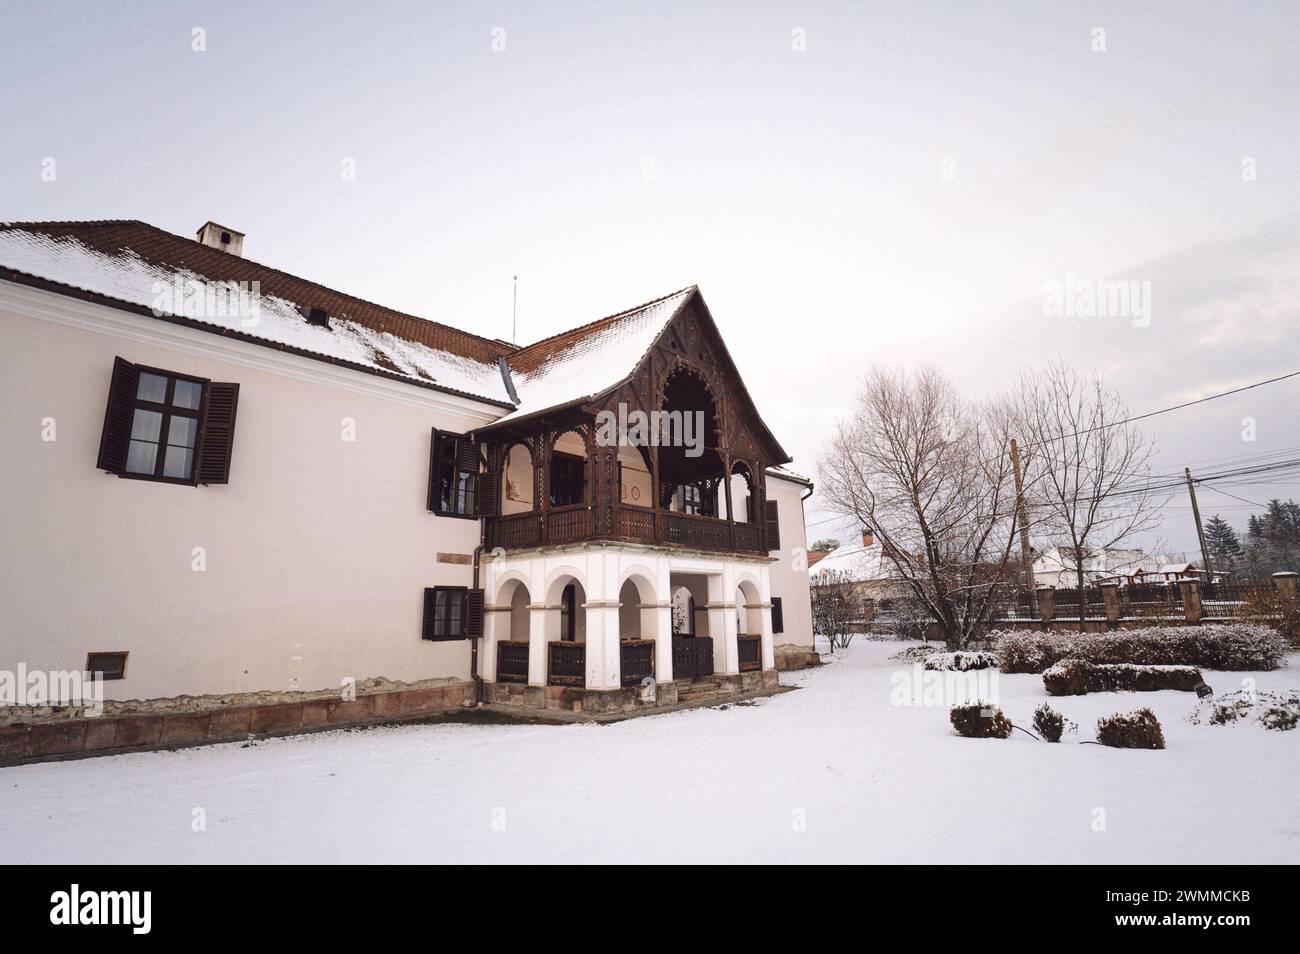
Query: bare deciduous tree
1086, 469
930, 475
836, 607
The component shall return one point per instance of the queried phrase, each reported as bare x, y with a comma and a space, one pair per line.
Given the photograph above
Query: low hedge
1230, 647
1076, 677
978, 720
1139, 729
961, 661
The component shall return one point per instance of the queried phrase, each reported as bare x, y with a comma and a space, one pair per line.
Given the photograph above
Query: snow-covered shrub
914, 654
979, 720
1069, 677
961, 661
1022, 651
1276, 717
1048, 723
1273, 709
1139, 729
1075, 677
1222, 646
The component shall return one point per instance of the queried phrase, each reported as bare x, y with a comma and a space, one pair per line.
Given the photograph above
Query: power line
1163, 410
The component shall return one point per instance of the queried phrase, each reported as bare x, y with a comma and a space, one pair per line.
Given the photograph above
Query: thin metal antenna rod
514, 314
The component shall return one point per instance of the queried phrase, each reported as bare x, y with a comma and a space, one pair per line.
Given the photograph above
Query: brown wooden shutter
217, 439
474, 613
778, 615
488, 495
427, 630
116, 436
467, 451
773, 525
431, 500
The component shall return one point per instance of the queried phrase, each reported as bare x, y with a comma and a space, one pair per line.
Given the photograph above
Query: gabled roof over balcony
591, 364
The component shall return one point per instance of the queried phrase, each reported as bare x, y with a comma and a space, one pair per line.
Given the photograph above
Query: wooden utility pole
1200, 534
1022, 518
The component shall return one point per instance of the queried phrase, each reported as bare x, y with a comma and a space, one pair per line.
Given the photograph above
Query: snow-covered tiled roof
776, 470
134, 265
861, 564
580, 363
148, 269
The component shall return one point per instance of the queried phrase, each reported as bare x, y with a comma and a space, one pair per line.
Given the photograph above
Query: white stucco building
220, 478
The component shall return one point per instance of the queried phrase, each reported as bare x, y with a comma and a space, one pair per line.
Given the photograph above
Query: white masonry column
601, 608
496, 626
602, 644
722, 625
766, 642
537, 644
659, 618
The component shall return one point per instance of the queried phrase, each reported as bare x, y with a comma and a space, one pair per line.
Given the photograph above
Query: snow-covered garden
836, 771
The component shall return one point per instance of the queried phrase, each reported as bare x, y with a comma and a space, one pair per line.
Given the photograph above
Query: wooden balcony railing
637, 660
750, 652
512, 661
569, 524
573, 524
515, 531
566, 664
692, 657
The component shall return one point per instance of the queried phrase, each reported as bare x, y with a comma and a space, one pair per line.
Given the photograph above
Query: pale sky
898, 187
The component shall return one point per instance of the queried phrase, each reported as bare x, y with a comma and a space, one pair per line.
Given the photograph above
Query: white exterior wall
790, 571
317, 551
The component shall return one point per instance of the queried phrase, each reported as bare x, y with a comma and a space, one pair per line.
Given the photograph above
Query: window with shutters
452, 612
772, 524
453, 475
167, 426
778, 615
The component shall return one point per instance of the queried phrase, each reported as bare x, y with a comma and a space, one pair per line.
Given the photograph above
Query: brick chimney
223, 238
868, 538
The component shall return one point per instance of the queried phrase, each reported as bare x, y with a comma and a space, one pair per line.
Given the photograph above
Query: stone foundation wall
628, 701
796, 657
41, 741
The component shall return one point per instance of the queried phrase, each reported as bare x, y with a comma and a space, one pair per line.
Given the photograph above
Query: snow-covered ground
833, 772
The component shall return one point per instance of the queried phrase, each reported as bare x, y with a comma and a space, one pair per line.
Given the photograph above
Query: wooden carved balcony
621, 522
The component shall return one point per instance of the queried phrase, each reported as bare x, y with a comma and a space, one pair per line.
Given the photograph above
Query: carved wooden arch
501, 462
711, 388
584, 428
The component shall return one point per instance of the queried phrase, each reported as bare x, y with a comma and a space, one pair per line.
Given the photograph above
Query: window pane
465, 494
447, 488
187, 394
140, 457
152, 387
182, 431
447, 447
146, 426
179, 462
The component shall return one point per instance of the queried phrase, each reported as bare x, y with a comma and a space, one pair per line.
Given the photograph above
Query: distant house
863, 565
1056, 567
